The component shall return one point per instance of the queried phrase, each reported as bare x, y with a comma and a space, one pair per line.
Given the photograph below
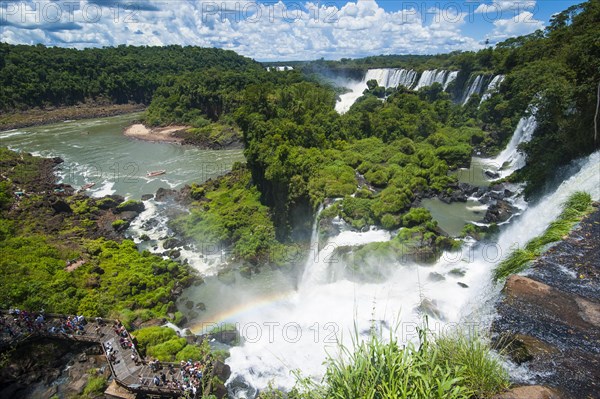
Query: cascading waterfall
474, 88
298, 332
385, 77
442, 77
492, 87
391, 77
511, 159
427, 79
451, 78
404, 77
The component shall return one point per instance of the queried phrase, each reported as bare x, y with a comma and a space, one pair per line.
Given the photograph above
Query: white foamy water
393, 77
511, 159
105, 189
297, 330
11, 133
474, 88
492, 87
206, 264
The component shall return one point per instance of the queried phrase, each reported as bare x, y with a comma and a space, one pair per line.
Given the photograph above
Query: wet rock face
531, 392
60, 206
47, 367
550, 320
499, 212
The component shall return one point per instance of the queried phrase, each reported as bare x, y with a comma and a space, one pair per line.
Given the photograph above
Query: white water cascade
492, 87
475, 87
390, 77
299, 330
385, 77
511, 159
451, 78
430, 77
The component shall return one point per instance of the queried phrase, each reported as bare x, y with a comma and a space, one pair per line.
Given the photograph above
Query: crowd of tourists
17, 324
21, 323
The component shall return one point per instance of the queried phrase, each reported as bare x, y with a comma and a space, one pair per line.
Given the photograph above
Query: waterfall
404, 77
387, 77
392, 77
300, 329
492, 87
427, 79
511, 159
474, 87
451, 78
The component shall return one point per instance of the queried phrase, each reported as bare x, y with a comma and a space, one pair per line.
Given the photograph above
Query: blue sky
277, 30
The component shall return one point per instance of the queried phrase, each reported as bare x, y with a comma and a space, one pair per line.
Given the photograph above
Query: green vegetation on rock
574, 209
55, 255
449, 367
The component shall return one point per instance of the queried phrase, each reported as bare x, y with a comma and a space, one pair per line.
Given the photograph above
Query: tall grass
574, 209
455, 366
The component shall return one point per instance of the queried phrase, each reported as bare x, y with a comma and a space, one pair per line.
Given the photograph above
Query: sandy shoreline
161, 134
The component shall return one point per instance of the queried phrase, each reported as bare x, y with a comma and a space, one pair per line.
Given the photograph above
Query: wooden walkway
129, 369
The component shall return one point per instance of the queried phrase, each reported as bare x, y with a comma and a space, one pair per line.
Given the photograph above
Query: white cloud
265, 31
522, 24
506, 8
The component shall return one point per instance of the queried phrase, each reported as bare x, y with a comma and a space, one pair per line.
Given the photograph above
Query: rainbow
235, 313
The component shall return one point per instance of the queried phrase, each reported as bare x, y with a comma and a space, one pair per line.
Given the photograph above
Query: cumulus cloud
264, 31
504, 8
522, 24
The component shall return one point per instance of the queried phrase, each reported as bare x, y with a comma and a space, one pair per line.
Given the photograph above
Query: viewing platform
133, 376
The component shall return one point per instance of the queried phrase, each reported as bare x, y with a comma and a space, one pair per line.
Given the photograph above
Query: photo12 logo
28, 13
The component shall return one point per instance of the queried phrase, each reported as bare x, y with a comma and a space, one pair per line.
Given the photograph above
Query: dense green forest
556, 70
393, 146
38, 76
57, 256
403, 143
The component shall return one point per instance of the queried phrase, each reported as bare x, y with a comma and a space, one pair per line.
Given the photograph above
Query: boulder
171, 243
430, 308
131, 206
499, 212
574, 311
110, 201
60, 206
433, 276
162, 194
147, 197
491, 174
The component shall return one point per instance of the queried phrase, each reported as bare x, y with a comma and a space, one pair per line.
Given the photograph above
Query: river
96, 151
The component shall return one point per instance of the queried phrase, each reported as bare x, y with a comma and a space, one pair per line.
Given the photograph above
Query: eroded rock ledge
550, 320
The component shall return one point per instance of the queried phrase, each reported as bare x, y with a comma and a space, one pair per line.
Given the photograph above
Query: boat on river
156, 173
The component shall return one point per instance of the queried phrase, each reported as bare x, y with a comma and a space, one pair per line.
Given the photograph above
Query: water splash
324, 307
512, 159
492, 87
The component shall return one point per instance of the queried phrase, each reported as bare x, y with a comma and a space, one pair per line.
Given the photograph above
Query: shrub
449, 367
95, 386
119, 224
416, 216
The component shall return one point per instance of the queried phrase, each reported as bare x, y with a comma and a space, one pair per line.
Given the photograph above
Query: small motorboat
156, 173
87, 186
